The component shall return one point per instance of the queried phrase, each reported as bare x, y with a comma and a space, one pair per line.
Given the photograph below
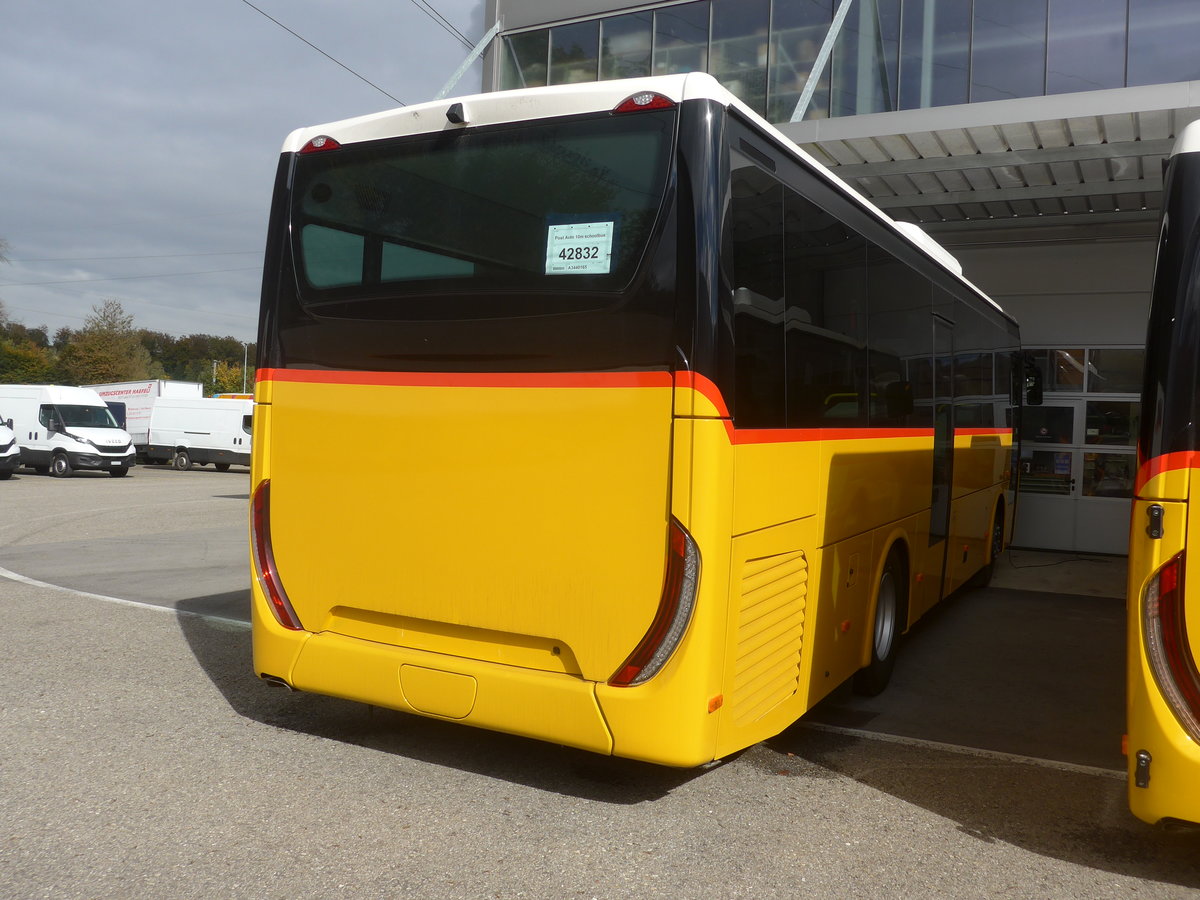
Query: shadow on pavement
1026, 673
223, 651
1075, 817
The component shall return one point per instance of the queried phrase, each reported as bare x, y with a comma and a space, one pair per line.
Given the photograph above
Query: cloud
153, 131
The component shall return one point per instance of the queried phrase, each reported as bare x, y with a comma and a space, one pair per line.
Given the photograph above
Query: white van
132, 401
10, 453
61, 429
204, 430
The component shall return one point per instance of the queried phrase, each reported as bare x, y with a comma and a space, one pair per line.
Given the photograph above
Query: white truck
61, 429
132, 402
10, 453
199, 431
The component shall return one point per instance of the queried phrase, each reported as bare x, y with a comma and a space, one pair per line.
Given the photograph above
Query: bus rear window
555, 205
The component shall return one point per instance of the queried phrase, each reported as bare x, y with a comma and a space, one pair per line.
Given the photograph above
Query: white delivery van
132, 401
204, 430
61, 429
10, 453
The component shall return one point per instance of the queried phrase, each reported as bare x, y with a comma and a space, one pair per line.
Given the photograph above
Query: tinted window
935, 47
866, 59
739, 49
1008, 54
567, 205
574, 52
681, 38
797, 30
525, 60
825, 267
900, 336
756, 241
1086, 47
1163, 35
625, 46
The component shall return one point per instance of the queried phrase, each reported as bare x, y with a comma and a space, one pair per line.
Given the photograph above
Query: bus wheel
889, 604
60, 466
983, 577
182, 461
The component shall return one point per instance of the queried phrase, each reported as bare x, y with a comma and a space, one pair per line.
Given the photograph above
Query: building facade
1025, 135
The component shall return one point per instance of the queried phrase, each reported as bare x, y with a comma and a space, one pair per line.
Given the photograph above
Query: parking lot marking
16, 576
996, 755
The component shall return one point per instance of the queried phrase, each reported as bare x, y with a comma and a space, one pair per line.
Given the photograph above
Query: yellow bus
651, 432
1163, 678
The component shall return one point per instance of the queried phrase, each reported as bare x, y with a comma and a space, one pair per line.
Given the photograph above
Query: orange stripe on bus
1168, 462
471, 379
691, 380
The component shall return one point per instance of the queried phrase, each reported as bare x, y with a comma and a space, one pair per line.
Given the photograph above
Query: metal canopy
1020, 162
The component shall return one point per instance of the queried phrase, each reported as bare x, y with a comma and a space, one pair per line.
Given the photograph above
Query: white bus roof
597, 96
1188, 140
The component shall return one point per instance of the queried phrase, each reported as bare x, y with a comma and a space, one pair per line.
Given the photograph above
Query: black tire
182, 461
983, 577
891, 604
119, 473
42, 470
60, 466
4, 476
222, 467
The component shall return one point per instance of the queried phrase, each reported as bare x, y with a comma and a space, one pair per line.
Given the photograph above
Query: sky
141, 139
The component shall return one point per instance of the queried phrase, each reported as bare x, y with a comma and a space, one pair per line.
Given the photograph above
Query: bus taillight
319, 143
674, 612
644, 100
264, 559
1167, 649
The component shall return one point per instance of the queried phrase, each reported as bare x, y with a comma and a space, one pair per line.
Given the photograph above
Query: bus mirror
1033, 384
898, 396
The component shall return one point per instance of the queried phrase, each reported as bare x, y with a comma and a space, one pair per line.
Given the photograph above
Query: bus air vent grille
770, 628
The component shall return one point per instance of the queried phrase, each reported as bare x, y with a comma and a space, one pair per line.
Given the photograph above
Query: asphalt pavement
139, 757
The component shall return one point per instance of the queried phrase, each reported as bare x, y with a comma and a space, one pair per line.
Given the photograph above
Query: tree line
109, 348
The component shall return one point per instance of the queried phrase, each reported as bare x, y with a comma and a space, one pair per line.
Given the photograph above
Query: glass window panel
492, 202
797, 30
1045, 471
1163, 35
625, 46
1115, 371
1086, 45
825, 267
1048, 424
1062, 370
1108, 474
756, 238
973, 375
739, 49
935, 41
866, 59
900, 341
1004, 373
574, 52
525, 60
1112, 422
681, 38
1008, 49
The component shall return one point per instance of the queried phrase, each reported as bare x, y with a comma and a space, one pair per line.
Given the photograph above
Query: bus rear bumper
1171, 791
549, 706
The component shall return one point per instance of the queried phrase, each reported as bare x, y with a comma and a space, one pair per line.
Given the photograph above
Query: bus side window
756, 241
825, 265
